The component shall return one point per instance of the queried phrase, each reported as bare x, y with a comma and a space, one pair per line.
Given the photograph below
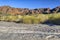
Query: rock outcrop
25, 11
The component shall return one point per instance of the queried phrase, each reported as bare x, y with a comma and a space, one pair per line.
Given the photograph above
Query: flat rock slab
19, 36
14, 31
25, 36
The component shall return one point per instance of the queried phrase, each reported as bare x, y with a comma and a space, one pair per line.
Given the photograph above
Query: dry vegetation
32, 19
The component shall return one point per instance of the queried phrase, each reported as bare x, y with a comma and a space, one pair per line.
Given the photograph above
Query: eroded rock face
56, 10
24, 11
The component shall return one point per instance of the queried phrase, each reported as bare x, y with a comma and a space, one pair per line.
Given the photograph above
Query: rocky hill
25, 11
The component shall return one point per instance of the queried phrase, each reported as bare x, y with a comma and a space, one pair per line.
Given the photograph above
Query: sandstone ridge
25, 11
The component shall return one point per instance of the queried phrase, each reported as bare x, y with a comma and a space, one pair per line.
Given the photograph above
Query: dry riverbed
18, 31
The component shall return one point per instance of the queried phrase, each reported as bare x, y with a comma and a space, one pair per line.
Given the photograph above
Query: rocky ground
18, 31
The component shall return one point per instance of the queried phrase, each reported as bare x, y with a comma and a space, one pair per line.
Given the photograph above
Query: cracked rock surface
18, 31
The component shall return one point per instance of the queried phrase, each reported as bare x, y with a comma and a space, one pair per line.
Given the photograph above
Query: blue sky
31, 3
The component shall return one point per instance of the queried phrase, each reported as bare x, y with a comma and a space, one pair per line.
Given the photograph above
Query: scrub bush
27, 19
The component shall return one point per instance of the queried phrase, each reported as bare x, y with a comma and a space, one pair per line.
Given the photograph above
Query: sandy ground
18, 31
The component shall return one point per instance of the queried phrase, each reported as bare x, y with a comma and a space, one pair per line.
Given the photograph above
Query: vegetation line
32, 19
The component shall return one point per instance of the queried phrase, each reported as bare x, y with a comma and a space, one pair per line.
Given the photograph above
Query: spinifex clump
32, 19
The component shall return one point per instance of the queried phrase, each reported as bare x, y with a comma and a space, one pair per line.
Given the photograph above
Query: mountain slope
15, 11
